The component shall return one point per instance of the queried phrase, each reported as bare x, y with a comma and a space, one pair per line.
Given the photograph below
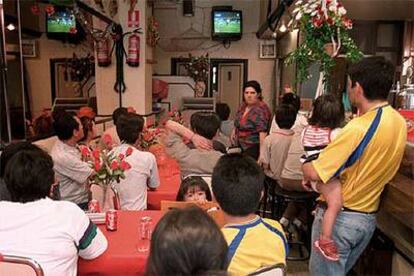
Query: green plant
322, 23
198, 67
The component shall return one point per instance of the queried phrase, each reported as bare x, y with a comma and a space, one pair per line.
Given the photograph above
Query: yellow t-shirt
365, 155
258, 243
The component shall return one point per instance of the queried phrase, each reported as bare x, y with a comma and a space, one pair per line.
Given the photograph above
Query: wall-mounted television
226, 25
60, 24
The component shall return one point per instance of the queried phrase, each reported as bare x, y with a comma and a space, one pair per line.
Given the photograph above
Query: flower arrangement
149, 137
107, 166
198, 67
173, 115
323, 24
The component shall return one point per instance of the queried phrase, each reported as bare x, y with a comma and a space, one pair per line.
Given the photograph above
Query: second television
226, 25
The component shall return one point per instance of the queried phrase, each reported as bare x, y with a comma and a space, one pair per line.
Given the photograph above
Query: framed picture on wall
267, 49
29, 48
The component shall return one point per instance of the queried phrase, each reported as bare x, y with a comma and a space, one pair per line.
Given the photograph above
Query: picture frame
267, 49
29, 48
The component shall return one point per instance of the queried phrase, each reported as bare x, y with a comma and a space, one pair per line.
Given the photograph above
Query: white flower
314, 13
298, 16
299, 2
341, 11
332, 8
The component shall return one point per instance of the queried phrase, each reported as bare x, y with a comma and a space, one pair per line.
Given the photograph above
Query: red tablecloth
169, 184
122, 256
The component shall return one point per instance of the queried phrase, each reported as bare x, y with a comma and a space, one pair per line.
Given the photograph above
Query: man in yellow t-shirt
254, 242
365, 156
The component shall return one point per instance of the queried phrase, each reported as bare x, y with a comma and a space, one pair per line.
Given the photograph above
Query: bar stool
280, 199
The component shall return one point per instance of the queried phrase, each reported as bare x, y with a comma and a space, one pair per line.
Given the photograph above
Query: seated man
54, 233
276, 144
143, 172
109, 138
71, 172
203, 158
253, 242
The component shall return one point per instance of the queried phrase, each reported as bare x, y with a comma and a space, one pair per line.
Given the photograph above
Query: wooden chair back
212, 208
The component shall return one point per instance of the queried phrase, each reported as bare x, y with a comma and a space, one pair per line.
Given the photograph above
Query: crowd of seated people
188, 242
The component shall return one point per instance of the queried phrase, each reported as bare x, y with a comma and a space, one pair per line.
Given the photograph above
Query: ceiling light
282, 28
11, 27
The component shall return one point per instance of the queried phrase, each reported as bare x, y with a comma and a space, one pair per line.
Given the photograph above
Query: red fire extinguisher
133, 50
102, 52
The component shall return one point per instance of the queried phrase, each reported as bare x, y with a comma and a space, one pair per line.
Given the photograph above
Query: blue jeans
352, 233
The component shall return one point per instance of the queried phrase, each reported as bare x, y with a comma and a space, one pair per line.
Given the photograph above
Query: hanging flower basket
324, 26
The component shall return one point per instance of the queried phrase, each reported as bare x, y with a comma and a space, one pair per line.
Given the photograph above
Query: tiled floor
297, 268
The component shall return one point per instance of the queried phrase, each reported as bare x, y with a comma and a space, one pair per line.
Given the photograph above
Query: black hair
10, 150
129, 127
43, 126
205, 124
87, 124
29, 175
328, 111
64, 125
187, 242
285, 116
374, 75
118, 112
256, 86
237, 184
57, 112
190, 182
223, 111
292, 99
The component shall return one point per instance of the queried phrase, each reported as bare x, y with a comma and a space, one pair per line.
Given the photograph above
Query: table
170, 181
121, 257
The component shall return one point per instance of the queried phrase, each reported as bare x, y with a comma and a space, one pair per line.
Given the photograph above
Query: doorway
227, 79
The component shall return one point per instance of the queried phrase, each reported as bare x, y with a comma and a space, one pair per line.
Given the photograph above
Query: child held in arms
327, 116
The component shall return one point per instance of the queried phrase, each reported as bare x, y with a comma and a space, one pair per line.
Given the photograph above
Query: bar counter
396, 215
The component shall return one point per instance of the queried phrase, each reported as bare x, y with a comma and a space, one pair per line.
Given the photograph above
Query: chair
273, 270
19, 266
280, 199
212, 208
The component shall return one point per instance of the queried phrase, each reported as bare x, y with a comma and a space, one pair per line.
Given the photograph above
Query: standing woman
252, 120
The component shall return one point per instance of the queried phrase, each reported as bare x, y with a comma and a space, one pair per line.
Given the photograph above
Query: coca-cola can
93, 206
111, 219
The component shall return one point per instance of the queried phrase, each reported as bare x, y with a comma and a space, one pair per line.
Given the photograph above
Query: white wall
38, 69
173, 23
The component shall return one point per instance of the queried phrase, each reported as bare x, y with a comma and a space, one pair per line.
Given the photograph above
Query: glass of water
145, 231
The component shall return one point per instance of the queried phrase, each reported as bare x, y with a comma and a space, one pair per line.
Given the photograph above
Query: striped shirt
315, 139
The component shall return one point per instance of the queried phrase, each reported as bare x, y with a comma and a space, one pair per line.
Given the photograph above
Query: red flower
107, 139
73, 30
98, 165
125, 165
50, 9
329, 21
96, 153
85, 151
35, 9
317, 22
129, 151
170, 113
147, 136
347, 23
121, 156
114, 165
157, 131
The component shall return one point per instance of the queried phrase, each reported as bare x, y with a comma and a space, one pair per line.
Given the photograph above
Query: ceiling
380, 9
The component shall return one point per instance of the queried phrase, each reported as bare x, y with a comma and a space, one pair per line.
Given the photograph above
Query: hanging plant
153, 34
325, 27
198, 68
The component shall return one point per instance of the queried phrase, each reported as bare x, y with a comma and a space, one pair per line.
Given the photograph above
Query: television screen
61, 22
227, 24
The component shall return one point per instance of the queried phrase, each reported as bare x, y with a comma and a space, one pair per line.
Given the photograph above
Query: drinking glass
145, 231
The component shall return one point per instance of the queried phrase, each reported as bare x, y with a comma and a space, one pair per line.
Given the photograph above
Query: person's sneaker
328, 249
